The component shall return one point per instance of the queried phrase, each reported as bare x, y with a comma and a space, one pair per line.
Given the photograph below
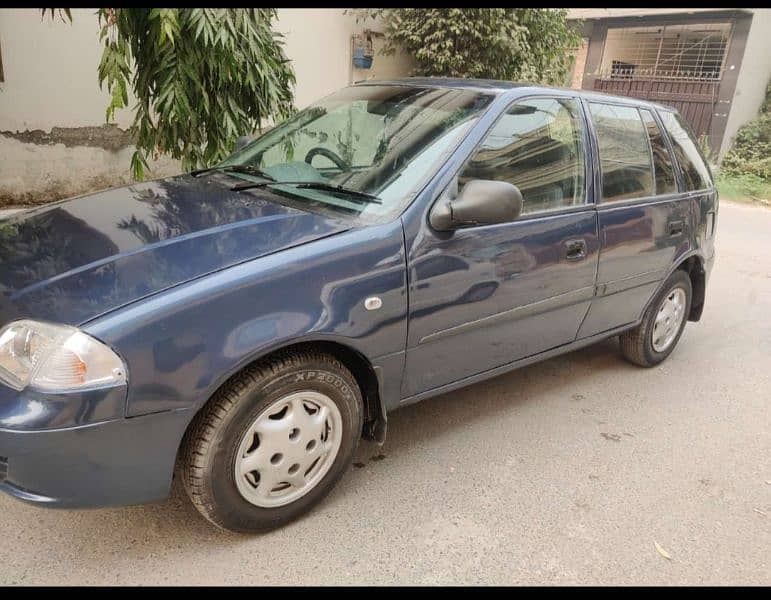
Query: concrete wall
50, 89
318, 41
753, 78
579, 64
50, 72
53, 138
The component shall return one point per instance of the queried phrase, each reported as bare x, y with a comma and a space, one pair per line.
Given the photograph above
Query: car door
485, 296
644, 216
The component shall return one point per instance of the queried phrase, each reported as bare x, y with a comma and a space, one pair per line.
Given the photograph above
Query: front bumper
51, 455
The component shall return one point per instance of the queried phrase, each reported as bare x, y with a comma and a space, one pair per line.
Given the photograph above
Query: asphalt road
568, 471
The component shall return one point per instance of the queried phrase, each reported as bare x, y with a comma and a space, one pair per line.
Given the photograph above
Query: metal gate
680, 65
695, 100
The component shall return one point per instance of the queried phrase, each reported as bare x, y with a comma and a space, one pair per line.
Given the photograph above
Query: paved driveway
568, 471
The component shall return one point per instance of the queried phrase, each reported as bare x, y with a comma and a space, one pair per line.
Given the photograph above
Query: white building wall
318, 41
50, 72
753, 77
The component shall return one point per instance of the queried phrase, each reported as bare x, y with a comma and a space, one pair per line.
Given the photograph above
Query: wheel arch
694, 267
365, 374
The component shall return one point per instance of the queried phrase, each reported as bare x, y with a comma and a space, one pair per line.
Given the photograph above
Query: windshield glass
376, 140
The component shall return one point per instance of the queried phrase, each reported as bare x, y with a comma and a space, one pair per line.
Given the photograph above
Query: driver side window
537, 146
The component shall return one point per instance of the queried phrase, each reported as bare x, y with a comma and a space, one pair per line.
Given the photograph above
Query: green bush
526, 44
751, 152
746, 186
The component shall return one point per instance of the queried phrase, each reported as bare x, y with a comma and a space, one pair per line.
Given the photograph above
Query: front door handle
675, 227
575, 249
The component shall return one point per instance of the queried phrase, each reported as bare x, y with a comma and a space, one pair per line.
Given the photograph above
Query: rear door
485, 296
644, 216
696, 181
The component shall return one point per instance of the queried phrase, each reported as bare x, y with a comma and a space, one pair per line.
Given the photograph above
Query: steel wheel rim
288, 449
668, 320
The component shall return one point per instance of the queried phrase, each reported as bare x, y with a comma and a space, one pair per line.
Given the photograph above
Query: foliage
706, 148
201, 77
751, 152
746, 186
528, 44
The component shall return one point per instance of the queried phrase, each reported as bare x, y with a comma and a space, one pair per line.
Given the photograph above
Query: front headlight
52, 357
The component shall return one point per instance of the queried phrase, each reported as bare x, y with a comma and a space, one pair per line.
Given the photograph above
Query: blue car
246, 325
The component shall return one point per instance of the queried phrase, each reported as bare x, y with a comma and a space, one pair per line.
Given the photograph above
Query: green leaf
138, 165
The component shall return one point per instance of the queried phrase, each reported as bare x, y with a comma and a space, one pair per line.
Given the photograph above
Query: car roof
449, 82
513, 88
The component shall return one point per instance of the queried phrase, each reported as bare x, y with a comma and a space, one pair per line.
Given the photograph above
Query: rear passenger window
625, 157
695, 172
662, 160
537, 146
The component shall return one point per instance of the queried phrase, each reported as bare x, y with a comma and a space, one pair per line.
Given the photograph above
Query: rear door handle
675, 227
575, 249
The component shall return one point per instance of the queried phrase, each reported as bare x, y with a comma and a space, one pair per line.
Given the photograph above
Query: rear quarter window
662, 160
625, 156
696, 175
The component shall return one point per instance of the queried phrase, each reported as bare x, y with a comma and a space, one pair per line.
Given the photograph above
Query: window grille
693, 52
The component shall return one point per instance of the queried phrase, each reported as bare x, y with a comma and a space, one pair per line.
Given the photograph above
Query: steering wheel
327, 153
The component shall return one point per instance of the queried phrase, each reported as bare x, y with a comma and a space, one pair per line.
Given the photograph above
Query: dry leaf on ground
661, 550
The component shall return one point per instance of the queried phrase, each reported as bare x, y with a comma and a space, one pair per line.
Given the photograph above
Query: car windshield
370, 147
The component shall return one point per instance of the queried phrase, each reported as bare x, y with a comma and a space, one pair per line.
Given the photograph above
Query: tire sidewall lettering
315, 377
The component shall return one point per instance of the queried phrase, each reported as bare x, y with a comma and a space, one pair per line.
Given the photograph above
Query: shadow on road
446, 414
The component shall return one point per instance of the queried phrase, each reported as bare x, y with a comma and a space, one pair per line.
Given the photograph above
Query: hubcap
668, 319
288, 449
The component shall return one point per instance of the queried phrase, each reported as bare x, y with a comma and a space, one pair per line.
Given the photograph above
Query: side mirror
244, 141
482, 202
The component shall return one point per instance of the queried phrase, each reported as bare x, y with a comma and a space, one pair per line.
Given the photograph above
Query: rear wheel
655, 338
272, 442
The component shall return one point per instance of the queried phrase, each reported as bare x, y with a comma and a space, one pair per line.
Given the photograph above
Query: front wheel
655, 338
272, 442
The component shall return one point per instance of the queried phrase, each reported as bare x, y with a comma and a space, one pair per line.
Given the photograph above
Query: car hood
74, 260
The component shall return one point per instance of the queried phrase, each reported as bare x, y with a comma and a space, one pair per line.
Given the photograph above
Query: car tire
655, 338
245, 422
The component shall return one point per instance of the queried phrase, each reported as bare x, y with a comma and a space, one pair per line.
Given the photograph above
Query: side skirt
528, 360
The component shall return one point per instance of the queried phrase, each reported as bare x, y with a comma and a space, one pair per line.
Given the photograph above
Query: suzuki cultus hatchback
251, 322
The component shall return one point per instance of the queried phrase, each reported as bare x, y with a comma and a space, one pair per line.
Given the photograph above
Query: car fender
181, 345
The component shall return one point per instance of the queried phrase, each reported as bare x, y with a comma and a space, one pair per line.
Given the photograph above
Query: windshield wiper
246, 169
314, 185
